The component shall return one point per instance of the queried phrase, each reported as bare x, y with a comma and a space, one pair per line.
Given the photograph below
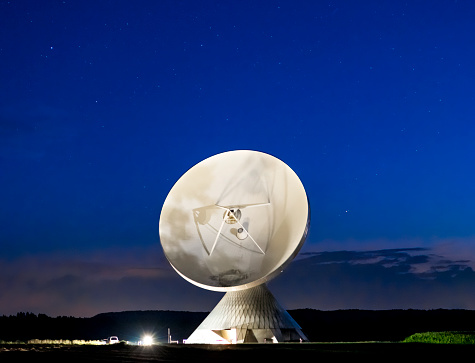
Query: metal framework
247, 316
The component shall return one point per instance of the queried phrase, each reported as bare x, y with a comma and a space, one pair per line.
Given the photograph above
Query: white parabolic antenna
233, 221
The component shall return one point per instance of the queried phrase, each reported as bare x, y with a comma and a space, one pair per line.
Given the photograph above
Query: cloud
116, 279
33, 132
91, 283
379, 279
454, 248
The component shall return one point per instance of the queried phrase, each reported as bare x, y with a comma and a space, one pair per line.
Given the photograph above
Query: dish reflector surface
234, 220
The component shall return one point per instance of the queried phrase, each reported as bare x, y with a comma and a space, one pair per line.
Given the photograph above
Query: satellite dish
234, 220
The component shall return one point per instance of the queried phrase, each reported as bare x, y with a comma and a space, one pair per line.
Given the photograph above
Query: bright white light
147, 340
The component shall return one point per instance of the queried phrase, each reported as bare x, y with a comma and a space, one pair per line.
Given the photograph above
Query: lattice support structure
247, 316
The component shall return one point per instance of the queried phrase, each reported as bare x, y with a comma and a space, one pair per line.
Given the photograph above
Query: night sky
105, 104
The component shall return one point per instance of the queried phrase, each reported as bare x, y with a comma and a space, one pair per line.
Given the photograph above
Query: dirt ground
229, 353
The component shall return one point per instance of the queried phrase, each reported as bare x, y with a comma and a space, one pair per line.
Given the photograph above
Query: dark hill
127, 325
379, 325
322, 326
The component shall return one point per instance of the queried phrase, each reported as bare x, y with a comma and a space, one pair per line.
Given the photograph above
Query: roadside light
147, 340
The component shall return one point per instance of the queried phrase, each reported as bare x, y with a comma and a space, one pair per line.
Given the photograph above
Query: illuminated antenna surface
234, 220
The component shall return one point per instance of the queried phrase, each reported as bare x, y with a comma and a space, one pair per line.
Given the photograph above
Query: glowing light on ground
147, 340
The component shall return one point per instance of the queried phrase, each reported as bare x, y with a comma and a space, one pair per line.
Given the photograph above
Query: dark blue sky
105, 104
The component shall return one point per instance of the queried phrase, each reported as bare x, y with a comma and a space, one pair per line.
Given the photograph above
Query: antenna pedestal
247, 316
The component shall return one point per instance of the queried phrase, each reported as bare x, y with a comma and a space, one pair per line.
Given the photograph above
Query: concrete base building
247, 316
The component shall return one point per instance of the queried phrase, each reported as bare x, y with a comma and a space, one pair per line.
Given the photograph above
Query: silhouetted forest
379, 325
321, 326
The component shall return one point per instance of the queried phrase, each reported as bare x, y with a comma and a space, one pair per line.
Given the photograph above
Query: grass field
447, 337
230, 353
